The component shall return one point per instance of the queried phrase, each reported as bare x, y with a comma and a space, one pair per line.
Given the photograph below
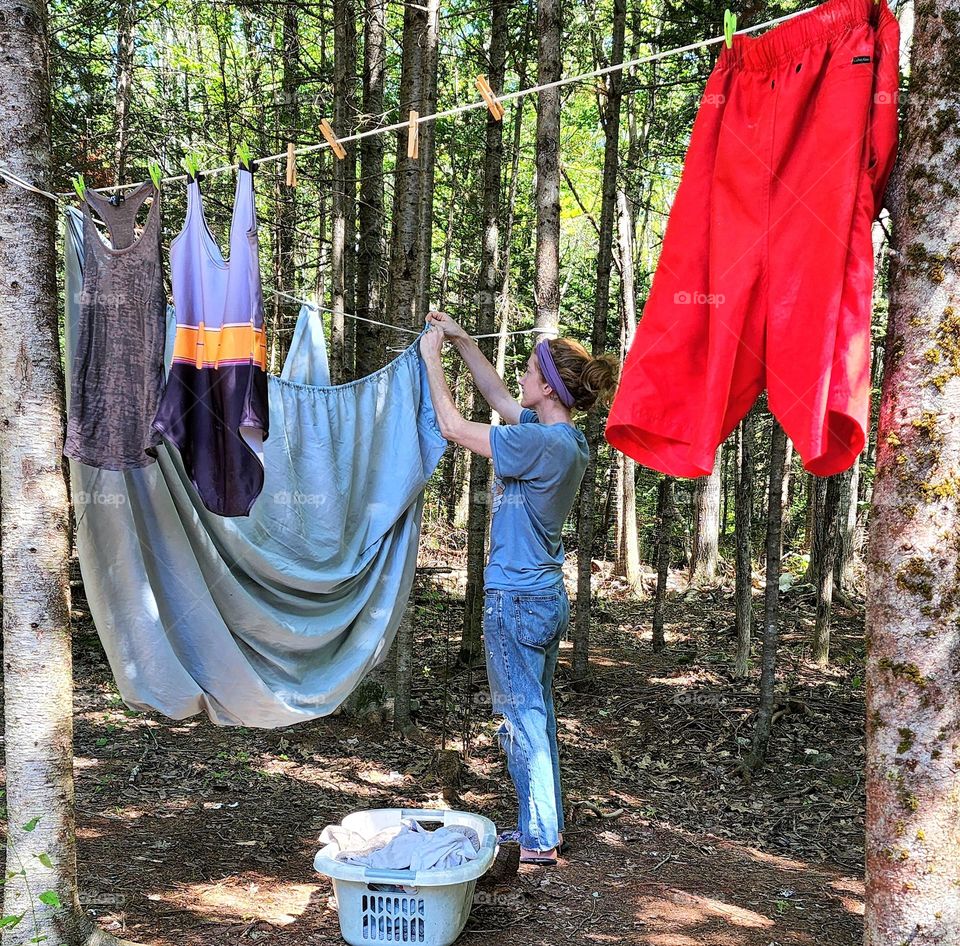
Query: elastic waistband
816, 25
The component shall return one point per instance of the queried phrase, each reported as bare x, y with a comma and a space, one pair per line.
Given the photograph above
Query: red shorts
765, 278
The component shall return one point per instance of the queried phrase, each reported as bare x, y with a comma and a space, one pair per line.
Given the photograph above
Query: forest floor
191, 834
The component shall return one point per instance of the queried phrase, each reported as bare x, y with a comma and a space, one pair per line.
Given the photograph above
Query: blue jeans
522, 632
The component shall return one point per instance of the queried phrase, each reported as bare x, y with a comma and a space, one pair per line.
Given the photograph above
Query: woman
539, 458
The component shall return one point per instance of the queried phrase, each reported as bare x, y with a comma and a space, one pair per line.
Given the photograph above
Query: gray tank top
118, 372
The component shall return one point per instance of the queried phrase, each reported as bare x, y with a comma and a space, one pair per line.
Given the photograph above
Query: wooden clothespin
729, 27
291, 164
332, 140
496, 109
413, 135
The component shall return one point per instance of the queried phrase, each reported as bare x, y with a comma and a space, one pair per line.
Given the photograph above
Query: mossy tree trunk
913, 560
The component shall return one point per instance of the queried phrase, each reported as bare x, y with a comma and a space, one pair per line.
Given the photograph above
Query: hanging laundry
766, 274
116, 380
215, 409
272, 619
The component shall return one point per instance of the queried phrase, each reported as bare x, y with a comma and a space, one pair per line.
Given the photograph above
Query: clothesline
423, 119
399, 328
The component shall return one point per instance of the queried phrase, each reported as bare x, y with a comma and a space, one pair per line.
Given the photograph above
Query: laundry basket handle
423, 814
387, 876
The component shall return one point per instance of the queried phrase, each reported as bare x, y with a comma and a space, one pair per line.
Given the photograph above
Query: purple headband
548, 369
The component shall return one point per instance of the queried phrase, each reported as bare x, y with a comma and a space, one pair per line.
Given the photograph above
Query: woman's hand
451, 329
431, 342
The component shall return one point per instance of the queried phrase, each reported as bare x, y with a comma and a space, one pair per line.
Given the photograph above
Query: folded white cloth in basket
406, 846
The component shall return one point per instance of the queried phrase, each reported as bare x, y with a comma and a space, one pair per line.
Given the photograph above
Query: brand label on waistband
859, 59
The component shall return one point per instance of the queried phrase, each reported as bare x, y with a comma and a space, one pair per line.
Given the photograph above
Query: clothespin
79, 186
155, 174
729, 27
291, 164
243, 157
413, 135
496, 109
332, 140
191, 164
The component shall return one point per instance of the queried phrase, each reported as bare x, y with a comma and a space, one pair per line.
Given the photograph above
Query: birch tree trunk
629, 544
705, 554
913, 561
34, 518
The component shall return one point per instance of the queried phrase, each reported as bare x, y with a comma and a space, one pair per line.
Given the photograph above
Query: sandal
539, 858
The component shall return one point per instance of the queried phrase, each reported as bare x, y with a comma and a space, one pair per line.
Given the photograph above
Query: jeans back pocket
540, 617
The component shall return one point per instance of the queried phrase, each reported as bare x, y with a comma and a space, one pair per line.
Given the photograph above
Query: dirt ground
190, 834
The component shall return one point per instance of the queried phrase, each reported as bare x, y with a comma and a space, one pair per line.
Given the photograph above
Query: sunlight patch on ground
244, 897
692, 909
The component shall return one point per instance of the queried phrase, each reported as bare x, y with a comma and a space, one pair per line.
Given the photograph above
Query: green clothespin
191, 164
729, 27
243, 156
155, 174
79, 186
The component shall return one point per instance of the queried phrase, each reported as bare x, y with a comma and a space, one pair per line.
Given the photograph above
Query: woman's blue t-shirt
537, 469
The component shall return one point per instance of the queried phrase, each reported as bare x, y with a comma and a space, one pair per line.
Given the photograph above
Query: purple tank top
214, 409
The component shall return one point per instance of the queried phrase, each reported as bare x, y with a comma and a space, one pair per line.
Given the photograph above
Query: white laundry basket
429, 907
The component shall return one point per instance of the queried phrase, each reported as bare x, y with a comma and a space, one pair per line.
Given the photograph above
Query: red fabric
766, 274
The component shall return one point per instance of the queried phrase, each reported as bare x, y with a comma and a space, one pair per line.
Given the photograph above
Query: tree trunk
428, 150
610, 118
286, 277
824, 573
547, 279
371, 340
124, 85
771, 603
490, 281
403, 674
663, 541
343, 237
405, 242
743, 526
34, 518
627, 528
816, 528
913, 562
706, 525
849, 488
